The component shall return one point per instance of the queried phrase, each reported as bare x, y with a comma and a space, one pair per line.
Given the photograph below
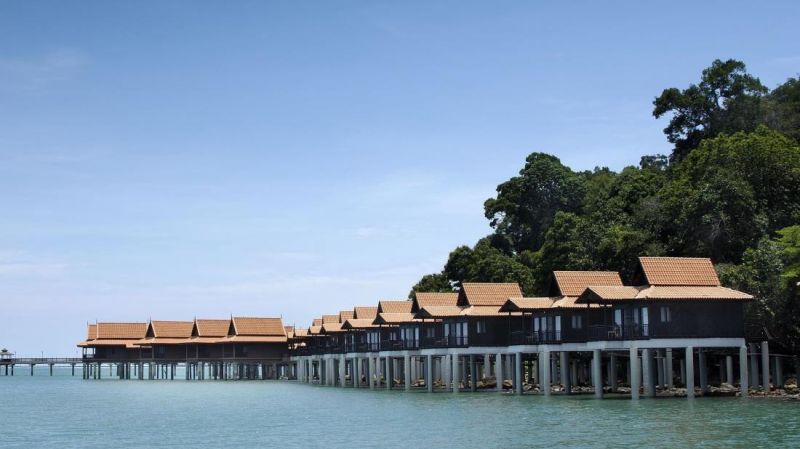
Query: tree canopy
729, 191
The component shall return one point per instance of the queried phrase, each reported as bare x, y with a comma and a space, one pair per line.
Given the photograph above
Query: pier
675, 331
7, 364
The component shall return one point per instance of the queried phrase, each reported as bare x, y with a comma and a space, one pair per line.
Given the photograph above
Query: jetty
7, 364
672, 330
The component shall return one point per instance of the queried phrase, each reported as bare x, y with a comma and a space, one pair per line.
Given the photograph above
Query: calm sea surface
62, 411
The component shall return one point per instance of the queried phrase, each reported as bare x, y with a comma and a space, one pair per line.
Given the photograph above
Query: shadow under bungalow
672, 330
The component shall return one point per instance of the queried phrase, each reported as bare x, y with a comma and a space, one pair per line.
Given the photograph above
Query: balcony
451, 341
535, 338
616, 332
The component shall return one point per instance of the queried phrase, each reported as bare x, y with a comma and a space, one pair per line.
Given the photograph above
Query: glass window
666, 316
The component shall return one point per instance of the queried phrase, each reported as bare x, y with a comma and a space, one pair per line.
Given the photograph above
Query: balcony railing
450, 341
617, 332
535, 338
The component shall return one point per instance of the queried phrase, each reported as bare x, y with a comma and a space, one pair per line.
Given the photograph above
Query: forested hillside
730, 191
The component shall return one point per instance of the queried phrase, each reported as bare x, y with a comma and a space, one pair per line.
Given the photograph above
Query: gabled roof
395, 318
427, 299
451, 311
91, 332
486, 311
661, 293
330, 319
331, 328
365, 312
133, 331
256, 330
345, 315
394, 306
573, 283
359, 323
527, 304
317, 322
211, 328
299, 332
686, 271
170, 329
570, 302
114, 334
314, 330
609, 293
289, 331
487, 294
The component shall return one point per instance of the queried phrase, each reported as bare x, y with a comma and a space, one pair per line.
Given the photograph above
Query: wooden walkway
7, 365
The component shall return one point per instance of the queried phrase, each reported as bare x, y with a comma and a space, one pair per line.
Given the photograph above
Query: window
666, 315
577, 322
481, 326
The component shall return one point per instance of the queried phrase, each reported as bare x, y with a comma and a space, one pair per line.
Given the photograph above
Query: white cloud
18, 264
34, 74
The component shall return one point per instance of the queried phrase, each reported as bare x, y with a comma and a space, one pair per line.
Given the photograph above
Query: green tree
726, 100
789, 242
485, 263
434, 282
782, 108
526, 204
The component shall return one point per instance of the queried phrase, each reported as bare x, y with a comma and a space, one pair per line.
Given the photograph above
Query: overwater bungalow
591, 329
559, 318
475, 319
257, 338
166, 340
397, 326
113, 341
673, 297
335, 335
362, 335
207, 339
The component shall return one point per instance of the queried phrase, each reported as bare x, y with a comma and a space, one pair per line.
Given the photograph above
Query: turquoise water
62, 411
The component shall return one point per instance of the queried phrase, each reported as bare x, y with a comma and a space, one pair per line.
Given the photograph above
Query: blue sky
182, 159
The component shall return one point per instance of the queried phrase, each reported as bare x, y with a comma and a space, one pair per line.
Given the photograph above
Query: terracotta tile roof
424, 299
256, 339
573, 283
204, 340
693, 293
527, 304
679, 271
91, 332
331, 328
452, 311
289, 331
330, 319
365, 312
345, 315
127, 342
121, 331
662, 293
314, 330
317, 322
571, 302
212, 328
248, 326
394, 306
359, 323
300, 332
487, 294
486, 311
610, 293
172, 329
395, 318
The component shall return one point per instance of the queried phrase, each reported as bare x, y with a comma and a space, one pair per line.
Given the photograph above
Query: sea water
64, 411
